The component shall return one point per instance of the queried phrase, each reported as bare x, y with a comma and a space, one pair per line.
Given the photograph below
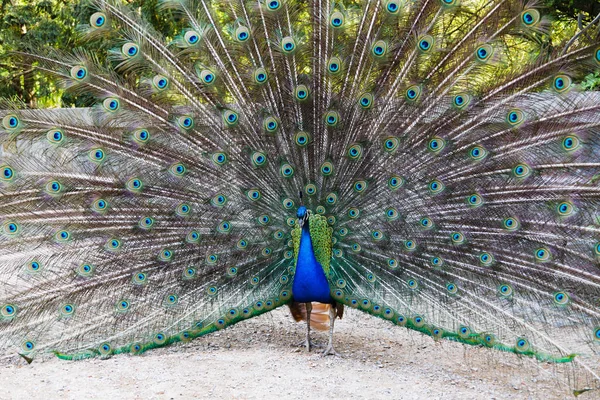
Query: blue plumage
310, 283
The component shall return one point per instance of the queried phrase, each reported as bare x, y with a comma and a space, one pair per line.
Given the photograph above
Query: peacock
433, 163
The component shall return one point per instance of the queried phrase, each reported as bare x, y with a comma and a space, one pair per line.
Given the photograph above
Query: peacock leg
308, 310
330, 350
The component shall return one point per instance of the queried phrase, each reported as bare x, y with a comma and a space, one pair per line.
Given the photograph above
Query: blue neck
310, 283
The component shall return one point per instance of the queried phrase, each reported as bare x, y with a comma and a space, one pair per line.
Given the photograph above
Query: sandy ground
259, 359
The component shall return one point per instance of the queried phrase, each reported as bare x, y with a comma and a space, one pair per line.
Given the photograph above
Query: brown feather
319, 316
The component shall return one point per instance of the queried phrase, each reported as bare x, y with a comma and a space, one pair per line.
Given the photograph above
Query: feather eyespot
273, 5
191, 37
436, 145
98, 20
301, 92
326, 168
259, 158
570, 143
219, 158
111, 104
436, 187
530, 17
392, 6
178, 170
461, 101
332, 118
27, 346
146, 222
224, 227
521, 171
451, 288
33, 267
86, 270
377, 235
113, 244
78, 72
391, 214
511, 224
302, 139
418, 321
8, 311
379, 49
413, 93
561, 83
391, 144
160, 83
561, 298
97, 155
426, 223
486, 259
542, 254
192, 237
334, 66
183, 210
505, 290
565, 209
457, 238
288, 45
475, 200
488, 339
360, 186
140, 278
395, 182
141, 136
185, 122
219, 200
464, 332
55, 136
355, 151
230, 118
478, 153
54, 188
130, 50
67, 310
426, 43
271, 124
484, 53
437, 262
134, 185
336, 20
242, 34
515, 117
286, 170
288, 203
366, 101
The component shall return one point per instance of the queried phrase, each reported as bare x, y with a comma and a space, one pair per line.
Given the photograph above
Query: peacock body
429, 162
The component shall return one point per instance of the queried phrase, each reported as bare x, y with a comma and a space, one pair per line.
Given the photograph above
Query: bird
433, 163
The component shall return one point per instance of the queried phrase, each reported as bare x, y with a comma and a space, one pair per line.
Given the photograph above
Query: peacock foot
309, 344
330, 351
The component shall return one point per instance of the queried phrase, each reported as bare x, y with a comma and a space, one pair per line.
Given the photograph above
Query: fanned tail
447, 146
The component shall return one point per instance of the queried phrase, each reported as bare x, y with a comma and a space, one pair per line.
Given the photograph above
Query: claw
330, 351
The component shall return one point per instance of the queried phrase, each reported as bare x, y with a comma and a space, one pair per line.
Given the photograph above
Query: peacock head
302, 214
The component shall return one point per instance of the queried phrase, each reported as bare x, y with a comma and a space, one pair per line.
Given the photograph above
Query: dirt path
258, 359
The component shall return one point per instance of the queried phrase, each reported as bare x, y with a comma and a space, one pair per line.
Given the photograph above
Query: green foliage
591, 81
570, 9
